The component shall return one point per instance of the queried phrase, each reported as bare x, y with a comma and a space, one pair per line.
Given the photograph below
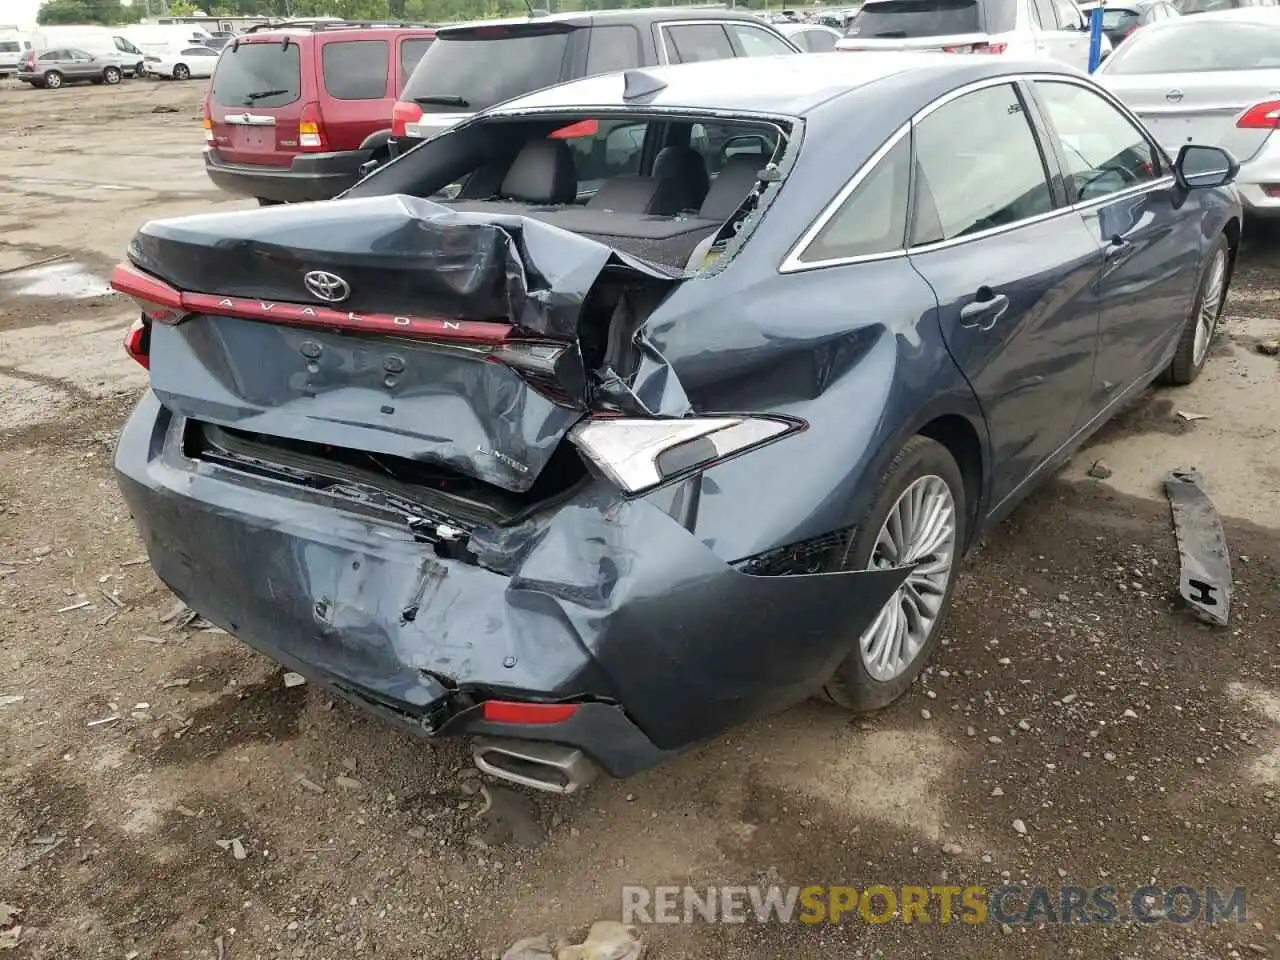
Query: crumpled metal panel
602, 597
436, 403
399, 254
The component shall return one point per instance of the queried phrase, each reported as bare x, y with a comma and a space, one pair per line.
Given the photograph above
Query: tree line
112, 12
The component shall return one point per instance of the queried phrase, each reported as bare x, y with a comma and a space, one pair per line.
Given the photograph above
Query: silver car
1210, 79
57, 66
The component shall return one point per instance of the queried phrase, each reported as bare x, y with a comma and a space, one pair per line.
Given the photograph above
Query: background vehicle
457, 77
1212, 78
55, 68
1189, 7
1049, 29
217, 43
194, 61
534, 483
12, 47
106, 43
1120, 18
316, 89
811, 37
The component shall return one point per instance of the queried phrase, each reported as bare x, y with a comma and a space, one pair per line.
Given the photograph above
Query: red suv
316, 89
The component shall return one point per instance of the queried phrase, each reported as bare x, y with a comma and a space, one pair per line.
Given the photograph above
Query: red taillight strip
508, 711
132, 282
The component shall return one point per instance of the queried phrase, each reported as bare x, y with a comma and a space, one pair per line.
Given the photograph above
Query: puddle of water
67, 279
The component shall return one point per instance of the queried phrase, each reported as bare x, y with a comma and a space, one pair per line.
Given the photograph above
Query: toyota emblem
1173, 96
327, 286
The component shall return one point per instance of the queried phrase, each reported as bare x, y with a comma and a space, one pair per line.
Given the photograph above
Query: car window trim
1166, 177
792, 263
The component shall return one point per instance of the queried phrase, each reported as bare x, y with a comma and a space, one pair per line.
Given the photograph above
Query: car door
1068, 34
1013, 270
81, 65
1127, 199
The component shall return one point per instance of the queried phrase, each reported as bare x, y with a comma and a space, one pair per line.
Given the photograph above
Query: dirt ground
1134, 745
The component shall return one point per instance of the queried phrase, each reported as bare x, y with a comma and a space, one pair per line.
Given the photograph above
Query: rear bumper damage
319, 176
599, 601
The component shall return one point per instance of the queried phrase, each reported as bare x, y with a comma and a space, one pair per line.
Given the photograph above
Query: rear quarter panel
855, 351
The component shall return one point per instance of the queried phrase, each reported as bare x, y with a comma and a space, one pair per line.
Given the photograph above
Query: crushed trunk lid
393, 327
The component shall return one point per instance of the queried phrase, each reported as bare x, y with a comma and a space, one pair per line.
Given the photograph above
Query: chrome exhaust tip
551, 767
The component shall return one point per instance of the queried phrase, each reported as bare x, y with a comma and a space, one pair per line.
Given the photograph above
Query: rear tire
111, 75
918, 516
1197, 333
52, 80
180, 72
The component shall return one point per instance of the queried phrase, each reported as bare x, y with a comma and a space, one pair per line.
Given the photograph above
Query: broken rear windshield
471, 69
260, 74
904, 19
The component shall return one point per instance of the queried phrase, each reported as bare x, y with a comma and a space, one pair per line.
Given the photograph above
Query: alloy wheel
1210, 307
920, 531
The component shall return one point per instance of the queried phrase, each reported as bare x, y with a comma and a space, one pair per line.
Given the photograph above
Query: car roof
587, 18
787, 85
341, 32
1247, 14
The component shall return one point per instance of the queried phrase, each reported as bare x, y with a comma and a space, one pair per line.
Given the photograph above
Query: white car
1026, 29
1212, 79
193, 61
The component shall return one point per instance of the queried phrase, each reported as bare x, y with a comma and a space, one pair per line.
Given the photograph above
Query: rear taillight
982, 47
639, 454
137, 342
311, 127
159, 301
208, 123
404, 114
1261, 116
510, 711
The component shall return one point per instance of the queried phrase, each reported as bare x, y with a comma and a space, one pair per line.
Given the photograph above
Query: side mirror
1200, 166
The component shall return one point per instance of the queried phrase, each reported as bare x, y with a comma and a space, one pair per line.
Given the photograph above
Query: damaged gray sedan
646, 405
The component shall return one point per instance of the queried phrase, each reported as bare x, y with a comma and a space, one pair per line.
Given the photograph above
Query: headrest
542, 172
685, 166
731, 186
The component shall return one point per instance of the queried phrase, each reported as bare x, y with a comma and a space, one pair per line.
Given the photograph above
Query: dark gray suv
473, 66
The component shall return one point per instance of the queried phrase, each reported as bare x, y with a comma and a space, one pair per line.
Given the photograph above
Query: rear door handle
1118, 249
983, 313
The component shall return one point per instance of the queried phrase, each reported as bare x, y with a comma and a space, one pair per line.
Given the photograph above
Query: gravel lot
1135, 745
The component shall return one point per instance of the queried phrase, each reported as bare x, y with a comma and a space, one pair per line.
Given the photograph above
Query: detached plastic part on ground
1204, 574
607, 940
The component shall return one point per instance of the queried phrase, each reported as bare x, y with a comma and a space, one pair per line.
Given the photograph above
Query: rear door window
615, 47
693, 42
411, 51
476, 67
720, 142
817, 41
606, 149
756, 41
258, 74
356, 69
904, 19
